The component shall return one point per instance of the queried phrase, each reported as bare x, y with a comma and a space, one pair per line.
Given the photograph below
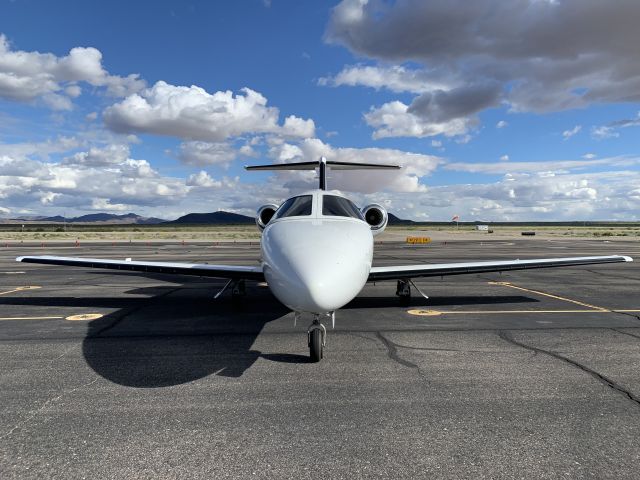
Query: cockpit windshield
335, 206
295, 207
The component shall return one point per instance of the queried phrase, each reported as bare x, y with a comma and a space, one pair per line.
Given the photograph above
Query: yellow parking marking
564, 299
82, 316
20, 289
30, 318
85, 316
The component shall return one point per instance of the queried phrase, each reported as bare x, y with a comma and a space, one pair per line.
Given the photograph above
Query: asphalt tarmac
522, 375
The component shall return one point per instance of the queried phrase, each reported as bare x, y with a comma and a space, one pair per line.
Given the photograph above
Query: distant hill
106, 218
393, 220
215, 218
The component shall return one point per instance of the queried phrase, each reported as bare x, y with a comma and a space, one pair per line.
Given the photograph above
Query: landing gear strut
317, 337
403, 290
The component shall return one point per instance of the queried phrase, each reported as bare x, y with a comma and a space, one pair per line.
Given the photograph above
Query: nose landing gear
317, 339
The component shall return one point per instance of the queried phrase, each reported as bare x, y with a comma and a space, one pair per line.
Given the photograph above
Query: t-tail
322, 165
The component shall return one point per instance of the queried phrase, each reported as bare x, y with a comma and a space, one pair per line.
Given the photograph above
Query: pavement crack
628, 314
392, 351
31, 415
598, 376
626, 333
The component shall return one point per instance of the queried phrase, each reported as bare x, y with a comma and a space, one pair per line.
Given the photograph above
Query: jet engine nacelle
376, 216
264, 214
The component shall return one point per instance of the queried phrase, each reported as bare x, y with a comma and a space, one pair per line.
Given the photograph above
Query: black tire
315, 345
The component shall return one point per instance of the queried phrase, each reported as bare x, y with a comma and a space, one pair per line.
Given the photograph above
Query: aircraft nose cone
317, 267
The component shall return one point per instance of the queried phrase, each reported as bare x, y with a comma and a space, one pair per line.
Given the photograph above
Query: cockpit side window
335, 206
295, 207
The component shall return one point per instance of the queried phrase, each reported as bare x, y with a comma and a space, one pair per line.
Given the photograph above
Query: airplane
317, 252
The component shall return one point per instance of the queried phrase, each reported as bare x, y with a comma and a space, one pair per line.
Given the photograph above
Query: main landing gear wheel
403, 291
316, 336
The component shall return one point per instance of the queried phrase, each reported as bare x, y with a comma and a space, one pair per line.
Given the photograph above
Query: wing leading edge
442, 269
196, 269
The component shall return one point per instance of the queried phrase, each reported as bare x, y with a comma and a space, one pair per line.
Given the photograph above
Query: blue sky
155, 108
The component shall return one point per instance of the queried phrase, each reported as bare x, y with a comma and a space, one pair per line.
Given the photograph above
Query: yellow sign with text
418, 240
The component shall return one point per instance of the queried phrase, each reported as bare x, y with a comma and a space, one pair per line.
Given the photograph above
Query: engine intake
376, 216
264, 215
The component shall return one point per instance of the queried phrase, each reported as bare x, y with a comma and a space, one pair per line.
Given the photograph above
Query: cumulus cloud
99, 157
194, 114
96, 178
548, 56
202, 179
504, 158
29, 76
395, 119
204, 153
501, 124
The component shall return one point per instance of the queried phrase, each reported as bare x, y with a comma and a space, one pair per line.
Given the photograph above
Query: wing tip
627, 258
20, 259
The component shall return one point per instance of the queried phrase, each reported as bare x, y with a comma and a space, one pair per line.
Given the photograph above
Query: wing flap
442, 269
196, 269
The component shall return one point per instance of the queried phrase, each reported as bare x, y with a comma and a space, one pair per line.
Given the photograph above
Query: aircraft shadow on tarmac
170, 334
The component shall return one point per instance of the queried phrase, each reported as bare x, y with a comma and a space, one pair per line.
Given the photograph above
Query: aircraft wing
442, 269
235, 272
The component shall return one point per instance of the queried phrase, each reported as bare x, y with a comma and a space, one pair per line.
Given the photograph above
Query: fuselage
317, 254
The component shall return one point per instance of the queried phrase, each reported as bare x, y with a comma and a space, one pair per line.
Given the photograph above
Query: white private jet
317, 250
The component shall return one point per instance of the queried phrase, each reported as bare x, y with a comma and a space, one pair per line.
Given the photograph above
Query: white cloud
394, 119
99, 157
103, 204
504, 158
501, 124
436, 143
29, 76
589, 156
395, 78
603, 132
194, 114
567, 134
541, 166
204, 153
202, 179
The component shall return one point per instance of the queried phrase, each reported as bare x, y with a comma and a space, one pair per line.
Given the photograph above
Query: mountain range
213, 218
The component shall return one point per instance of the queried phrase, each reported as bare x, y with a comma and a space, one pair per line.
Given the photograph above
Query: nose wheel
317, 335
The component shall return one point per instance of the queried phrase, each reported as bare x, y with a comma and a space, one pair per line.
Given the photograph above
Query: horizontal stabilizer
331, 164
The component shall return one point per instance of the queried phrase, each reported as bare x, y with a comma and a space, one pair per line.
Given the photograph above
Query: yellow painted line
85, 316
20, 289
30, 318
538, 292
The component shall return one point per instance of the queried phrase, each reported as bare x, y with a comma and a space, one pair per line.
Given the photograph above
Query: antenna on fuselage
322, 164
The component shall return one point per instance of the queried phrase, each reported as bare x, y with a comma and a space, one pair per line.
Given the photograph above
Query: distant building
482, 228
